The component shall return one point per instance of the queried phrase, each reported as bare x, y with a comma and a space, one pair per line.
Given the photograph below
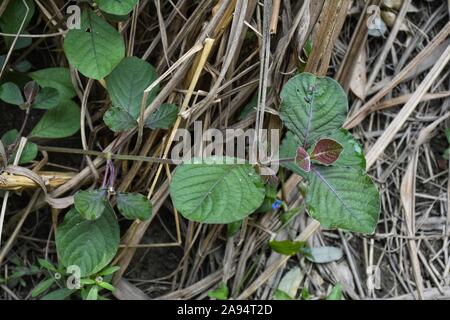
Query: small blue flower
277, 204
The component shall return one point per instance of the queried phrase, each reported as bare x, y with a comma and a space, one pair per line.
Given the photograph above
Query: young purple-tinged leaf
30, 91
327, 151
303, 160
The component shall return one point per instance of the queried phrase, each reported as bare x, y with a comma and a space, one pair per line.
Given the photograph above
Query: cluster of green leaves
338, 192
60, 283
51, 90
97, 50
89, 235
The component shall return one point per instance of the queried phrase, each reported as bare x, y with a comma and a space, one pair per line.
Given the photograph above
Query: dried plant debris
226, 149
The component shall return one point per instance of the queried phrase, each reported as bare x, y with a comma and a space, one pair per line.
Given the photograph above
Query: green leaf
118, 120
336, 293
281, 295
312, 107
60, 122
22, 66
287, 247
126, 84
163, 118
90, 245
42, 286
109, 270
106, 285
340, 197
91, 204
96, 49
56, 78
288, 150
233, 228
134, 206
12, 18
218, 191
47, 265
93, 293
118, 7
324, 254
47, 98
30, 151
220, 293
10, 93
59, 294
447, 134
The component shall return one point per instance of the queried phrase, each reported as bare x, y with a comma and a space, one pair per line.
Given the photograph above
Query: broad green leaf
91, 204
117, 7
220, 293
96, 49
115, 18
336, 292
324, 254
10, 93
134, 206
12, 18
163, 118
287, 247
340, 197
219, 191
90, 245
30, 151
60, 122
59, 294
42, 286
47, 98
352, 154
106, 285
288, 150
312, 107
126, 84
118, 119
93, 293
56, 78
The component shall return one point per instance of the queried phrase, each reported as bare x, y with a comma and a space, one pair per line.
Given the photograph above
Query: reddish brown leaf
303, 160
31, 90
327, 151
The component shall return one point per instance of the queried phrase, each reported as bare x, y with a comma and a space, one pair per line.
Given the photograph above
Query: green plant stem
107, 155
